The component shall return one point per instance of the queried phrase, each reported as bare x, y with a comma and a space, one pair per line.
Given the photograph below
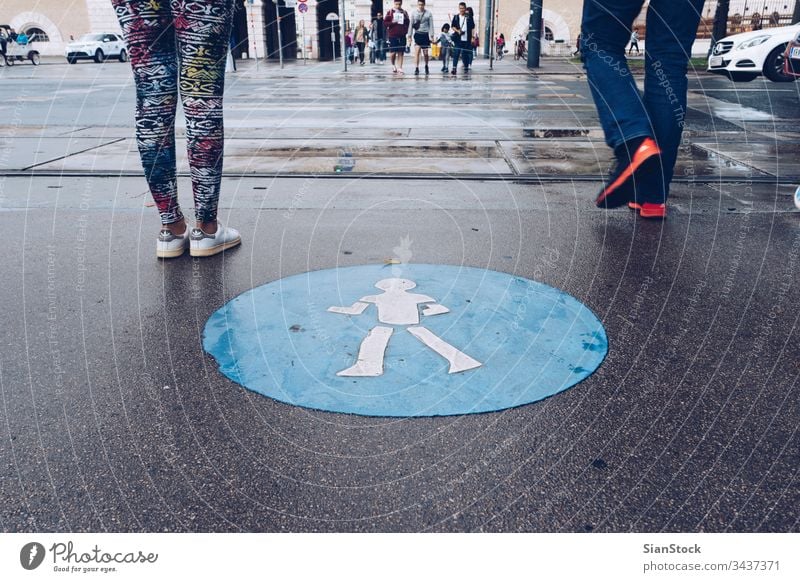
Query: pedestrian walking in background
521, 50
349, 50
643, 130
422, 25
397, 24
360, 37
501, 46
373, 52
378, 36
634, 41
462, 27
446, 46
172, 44
475, 42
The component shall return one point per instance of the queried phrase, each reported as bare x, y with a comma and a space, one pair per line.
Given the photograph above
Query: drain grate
538, 132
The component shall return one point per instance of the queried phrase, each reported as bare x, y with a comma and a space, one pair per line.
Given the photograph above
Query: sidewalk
306, 120
117, 419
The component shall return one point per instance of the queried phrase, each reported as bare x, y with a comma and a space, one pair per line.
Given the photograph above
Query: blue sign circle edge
303, 275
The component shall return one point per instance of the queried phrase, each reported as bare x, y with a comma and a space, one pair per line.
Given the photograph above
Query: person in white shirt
462, 28
634, 41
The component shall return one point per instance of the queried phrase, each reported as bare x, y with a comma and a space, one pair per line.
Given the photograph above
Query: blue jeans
624, 112
445, 56
462, 50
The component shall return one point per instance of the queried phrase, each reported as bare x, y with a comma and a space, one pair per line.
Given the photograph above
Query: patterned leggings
172, 44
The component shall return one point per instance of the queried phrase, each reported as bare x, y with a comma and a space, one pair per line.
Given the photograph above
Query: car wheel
738, 77
72, 60
98, 56
123, 56
773, 66
34, 57
10, 61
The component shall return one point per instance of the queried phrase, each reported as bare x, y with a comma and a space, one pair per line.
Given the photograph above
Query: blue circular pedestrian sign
406, 340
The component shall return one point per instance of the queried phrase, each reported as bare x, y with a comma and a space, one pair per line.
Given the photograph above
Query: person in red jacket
396, 23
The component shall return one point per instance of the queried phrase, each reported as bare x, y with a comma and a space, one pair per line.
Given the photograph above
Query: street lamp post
535, 34
280, 37
341, 34
488, 28
490, 41
253, 32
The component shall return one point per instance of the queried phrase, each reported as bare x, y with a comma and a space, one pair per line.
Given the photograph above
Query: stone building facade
54, 22
307, 33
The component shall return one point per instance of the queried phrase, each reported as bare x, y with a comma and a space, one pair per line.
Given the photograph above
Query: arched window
36, 35
548, 34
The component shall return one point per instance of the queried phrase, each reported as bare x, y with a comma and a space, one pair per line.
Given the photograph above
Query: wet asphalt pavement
115, 419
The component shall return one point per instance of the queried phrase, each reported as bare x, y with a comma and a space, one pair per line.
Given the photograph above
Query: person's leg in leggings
671, 30
202, 28
149, 36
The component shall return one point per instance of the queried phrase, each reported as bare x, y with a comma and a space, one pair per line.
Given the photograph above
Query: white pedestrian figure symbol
397, 306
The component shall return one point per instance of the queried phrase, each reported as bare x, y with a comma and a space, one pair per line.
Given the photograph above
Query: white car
745, 56
97, 46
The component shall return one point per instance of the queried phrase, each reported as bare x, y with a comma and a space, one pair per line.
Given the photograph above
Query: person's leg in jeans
461, 50
150, 39
605, 31
627, 117
671, 29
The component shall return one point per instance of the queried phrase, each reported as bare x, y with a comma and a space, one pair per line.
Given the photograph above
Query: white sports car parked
97, 46
745, 56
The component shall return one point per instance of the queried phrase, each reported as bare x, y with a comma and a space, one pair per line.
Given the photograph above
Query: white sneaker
171, 245
797, 197
204, 245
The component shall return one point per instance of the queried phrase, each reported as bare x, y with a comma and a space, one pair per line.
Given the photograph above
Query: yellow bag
436, 50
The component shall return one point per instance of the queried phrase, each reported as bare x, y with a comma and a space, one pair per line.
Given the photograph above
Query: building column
255, 29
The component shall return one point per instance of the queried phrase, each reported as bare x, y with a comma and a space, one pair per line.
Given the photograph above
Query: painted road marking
459, 361
475, 341
397, 306
370, 354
